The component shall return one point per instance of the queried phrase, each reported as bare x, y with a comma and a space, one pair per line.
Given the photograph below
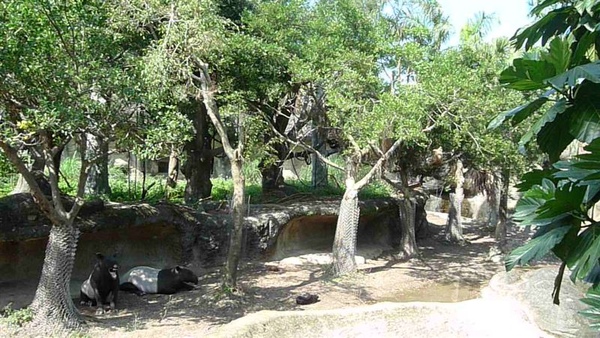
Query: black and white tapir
144, 279
102, 287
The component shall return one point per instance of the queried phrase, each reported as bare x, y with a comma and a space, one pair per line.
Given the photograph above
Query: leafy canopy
563, 78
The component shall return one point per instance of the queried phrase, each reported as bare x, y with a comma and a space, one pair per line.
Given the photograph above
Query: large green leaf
553, 136
519, 113
563, 249
585, 5
589, 71
571, 171
527, 74
528, 206
592, 298
533, 178
567, 198
549, 116
535, 248
592, 195
542, 5
585, 125
553, 22
559, 54
584, 170
585, 255
583, 46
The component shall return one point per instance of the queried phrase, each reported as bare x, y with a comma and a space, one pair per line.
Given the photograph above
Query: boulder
532, 289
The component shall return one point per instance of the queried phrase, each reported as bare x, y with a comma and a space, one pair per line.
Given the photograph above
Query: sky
512, 15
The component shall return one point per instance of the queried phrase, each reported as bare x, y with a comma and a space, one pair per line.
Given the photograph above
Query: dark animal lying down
102, 287
144, 279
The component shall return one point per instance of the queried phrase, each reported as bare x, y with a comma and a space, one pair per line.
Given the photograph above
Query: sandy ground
443, 273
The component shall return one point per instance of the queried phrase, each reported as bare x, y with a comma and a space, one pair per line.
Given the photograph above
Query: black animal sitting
102, 287
145, 279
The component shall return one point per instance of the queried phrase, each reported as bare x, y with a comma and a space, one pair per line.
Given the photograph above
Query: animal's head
185, 275
108, 264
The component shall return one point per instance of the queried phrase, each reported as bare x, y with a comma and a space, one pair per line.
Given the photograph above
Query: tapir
102, 287
145, 279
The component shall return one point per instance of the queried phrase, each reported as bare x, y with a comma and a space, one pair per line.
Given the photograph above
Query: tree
288, 102
236, 159
191, 59
458, 87
60, 63
563, 77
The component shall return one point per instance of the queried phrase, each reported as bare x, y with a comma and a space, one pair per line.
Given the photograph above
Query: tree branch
36, 192
307, 148
365, 180
83, 176
211, 108
70, 52
52, 174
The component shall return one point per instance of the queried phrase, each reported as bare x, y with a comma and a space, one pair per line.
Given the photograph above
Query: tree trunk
271, 168
493, 199
56, 161
407, 209
271, 175
236, 158
37, 167
97, 183
500, 233
173, 168
238, 213
454, 226
407, 214
199, 160
319, 169
52, 305
55, 313
344, 243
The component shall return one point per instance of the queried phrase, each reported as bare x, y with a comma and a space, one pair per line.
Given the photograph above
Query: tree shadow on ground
206, 304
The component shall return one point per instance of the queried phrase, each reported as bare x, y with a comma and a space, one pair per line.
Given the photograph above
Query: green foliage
558, 202
6, 167
223, 190
69, 168
16, 317
7, 183
62, 61
130, 190
592, 298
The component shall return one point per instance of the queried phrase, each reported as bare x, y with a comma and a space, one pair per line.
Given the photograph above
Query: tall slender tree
60, 63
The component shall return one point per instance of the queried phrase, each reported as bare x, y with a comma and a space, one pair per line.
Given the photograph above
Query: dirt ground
443, 273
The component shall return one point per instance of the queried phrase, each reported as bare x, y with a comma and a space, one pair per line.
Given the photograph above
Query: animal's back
145, 278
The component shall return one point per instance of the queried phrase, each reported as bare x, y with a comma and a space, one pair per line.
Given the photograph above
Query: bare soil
443, 273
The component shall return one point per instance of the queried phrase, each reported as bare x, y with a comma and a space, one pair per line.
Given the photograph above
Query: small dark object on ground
306, 299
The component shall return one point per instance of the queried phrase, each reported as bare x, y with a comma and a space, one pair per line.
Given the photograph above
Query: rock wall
165, 234
158, 245
308, 234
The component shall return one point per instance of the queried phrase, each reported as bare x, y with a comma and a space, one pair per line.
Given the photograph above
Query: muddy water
437, 292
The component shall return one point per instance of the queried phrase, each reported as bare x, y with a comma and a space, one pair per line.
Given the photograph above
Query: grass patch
126, 188
8, 183
16, 317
